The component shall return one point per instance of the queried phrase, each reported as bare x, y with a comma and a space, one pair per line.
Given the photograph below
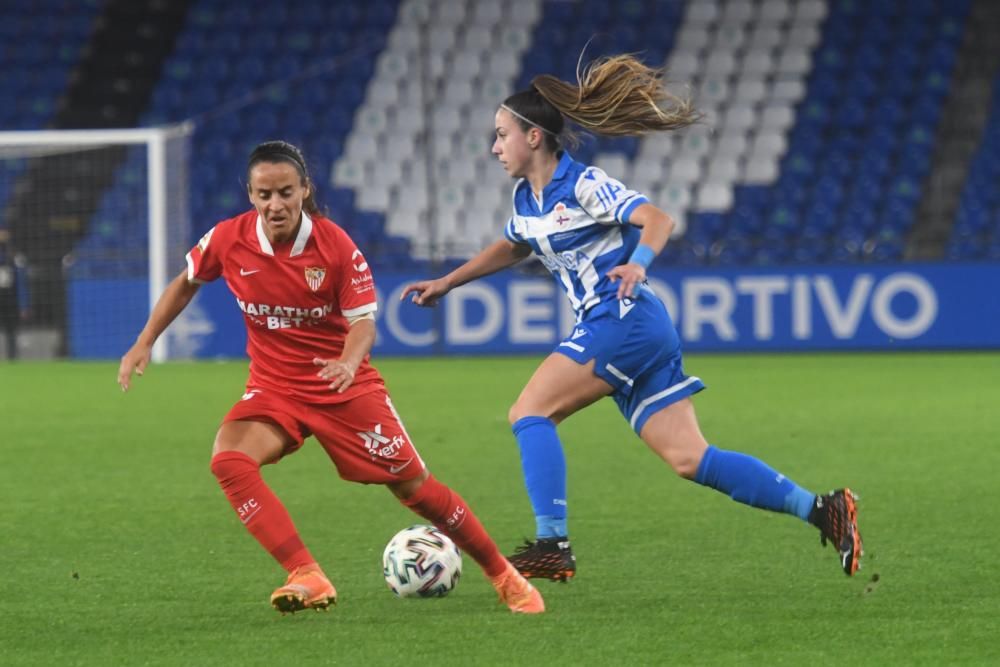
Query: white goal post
58, 188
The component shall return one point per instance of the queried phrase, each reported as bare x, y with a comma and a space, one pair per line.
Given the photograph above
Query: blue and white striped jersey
579, 228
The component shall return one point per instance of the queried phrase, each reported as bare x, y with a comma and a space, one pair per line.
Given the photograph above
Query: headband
527, 120
278, 150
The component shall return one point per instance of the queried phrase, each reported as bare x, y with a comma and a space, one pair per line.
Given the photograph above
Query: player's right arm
174, 299
493, 258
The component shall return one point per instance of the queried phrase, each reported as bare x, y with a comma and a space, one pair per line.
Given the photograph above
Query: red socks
268, 521
445, 509
259, 509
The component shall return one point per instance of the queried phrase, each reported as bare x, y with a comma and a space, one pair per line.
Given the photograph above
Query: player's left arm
340, 372
656, 229
356, 295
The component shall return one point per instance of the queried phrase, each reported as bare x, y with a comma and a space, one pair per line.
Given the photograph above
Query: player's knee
223, 443
230, 464
685, 464
515, 413
218, 466
521, 409
408, 489
683, 459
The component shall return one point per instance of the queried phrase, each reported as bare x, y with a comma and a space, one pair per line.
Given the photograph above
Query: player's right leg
672, 432
447, 510
242, 445
366, 440
559, 387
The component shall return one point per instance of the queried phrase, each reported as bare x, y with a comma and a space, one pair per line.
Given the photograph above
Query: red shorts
364, 437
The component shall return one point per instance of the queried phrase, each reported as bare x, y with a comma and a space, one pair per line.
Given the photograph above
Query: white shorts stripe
618, 374
657, 396
392, 408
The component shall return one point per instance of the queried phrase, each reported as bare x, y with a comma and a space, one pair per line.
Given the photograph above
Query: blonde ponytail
618, 96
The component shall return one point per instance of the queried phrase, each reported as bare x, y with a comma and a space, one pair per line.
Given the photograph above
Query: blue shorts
637, 351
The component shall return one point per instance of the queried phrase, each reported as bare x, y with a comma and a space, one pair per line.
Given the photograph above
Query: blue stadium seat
845, 254
889, 250
691, 254
810, 250
734, 252
773, 252
747, 217
965, 249
821, 218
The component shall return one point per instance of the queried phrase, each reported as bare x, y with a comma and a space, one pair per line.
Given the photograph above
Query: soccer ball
421, 561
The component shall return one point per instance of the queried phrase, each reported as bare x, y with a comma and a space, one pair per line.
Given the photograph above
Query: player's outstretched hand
630, 275
136, 359
339, 373
426, 292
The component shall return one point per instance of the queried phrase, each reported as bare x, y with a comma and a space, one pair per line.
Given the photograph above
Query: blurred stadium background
841, 194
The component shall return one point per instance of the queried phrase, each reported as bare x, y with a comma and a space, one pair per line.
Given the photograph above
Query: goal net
97, 222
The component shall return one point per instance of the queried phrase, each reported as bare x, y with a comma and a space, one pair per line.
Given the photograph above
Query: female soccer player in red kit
308, 300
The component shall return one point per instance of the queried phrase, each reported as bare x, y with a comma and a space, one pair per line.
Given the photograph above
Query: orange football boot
517, 592
306, 588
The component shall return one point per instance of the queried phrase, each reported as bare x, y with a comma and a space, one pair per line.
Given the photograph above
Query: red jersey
295, 297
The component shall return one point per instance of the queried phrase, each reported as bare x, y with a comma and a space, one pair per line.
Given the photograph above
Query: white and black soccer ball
421, 561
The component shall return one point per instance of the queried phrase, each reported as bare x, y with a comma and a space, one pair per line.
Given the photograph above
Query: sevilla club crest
314, 277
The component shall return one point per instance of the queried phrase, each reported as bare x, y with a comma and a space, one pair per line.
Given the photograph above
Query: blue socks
752, 482
742, 477
544, 469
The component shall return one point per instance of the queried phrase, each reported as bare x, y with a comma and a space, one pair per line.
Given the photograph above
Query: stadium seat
692, 40
731, 36
375, 196
614, 165
675, 198
757, 63
720, 64
760, 170
714, 196
723, 169
731, 146
684, 171
766, 36
645, 170
751, 90
739, 118
704, 12
777, 118
738, 12
683, 65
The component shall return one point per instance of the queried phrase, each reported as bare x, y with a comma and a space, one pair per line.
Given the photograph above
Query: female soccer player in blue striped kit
597, 238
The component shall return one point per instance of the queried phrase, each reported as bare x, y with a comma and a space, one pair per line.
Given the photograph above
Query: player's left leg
241, 447
672, 432
447, 510
559, 387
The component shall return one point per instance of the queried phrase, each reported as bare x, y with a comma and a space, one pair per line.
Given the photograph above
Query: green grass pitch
119, 549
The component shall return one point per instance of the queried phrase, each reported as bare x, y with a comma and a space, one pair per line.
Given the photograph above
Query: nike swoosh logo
244, 272
246, 520
396, 469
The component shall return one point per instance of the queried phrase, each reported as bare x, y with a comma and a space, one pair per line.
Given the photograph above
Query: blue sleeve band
642, 255
631, 205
